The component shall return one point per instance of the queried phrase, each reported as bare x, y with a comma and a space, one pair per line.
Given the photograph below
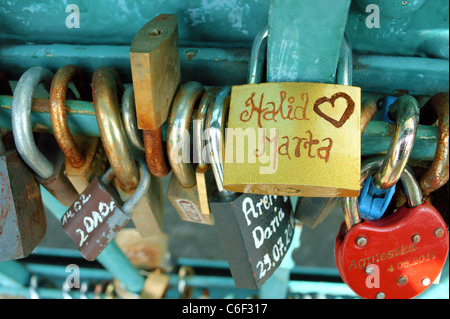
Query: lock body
22, 217
186, 202
294, 139
94, 218
255, 232
396, 257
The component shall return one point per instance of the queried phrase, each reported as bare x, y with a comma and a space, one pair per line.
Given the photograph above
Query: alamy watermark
373, 19
73, 278
73, 19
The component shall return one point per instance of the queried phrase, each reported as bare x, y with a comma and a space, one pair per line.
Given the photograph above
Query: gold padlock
303, 139
183, 190
84, 155
155, 68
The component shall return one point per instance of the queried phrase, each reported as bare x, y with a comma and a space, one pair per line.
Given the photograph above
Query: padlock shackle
344, 72
200, 124
58, 117
407, 109
369, 167
130, 120
107, 89
180, 117
5, 88
257, 56
21, 120
437, 175
217, 117
141, 190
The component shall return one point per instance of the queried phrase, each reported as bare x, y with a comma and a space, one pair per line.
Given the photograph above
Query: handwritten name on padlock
294, 139
266, 244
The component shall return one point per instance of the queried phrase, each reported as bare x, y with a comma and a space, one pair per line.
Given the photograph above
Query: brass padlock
85, 157
48, 173
303, 139
22, 215
155, 68
107, 88
183, 190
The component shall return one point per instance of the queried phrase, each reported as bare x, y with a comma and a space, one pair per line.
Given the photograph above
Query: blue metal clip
373, 201
387, 102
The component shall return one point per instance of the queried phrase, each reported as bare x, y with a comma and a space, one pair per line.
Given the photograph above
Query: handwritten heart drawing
345, 116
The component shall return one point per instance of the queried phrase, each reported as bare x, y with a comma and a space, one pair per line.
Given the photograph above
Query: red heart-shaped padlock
396, 257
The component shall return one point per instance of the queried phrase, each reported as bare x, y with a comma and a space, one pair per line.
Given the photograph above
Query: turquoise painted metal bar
408, 28
304, 40
82, 120
13, 274
229, 66
112, 258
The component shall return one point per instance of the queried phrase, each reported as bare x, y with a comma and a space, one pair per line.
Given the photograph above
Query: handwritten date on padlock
409, 248
93, 220
267, 227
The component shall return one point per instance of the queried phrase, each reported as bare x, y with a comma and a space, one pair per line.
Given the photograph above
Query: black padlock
255, 230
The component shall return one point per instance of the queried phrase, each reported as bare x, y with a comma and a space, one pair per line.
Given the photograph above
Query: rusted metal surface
156, 152
107, 89
57, 182
22, 216
58, 117
437, 175
98, 214
5, 88
180, 117
94, 219
368, 109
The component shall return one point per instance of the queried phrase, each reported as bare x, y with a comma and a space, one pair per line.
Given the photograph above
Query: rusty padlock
22, 215
84, 155
437, 175
49, 175
107, 88
395, 257
183, 191
98, 214
155, 68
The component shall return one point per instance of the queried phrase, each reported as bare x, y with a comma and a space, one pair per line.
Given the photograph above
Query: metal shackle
180, 117
21, 120
129, 119
407, 109
107, 88
141, 190
344, 73
5, 88
58, 117
217, 117
200, 124
437, 175
369, 167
